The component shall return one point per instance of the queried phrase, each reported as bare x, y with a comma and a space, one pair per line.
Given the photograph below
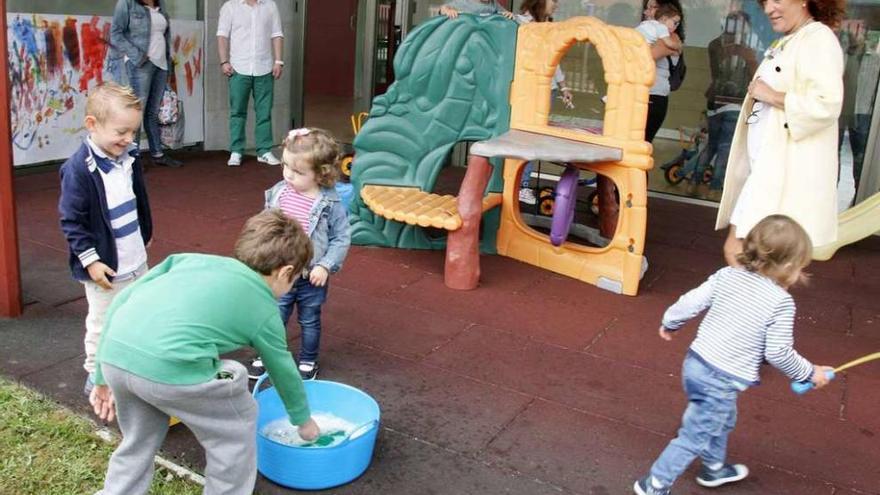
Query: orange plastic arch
629, 73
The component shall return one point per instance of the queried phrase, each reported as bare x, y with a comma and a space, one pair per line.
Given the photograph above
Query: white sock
656, 483
716, 466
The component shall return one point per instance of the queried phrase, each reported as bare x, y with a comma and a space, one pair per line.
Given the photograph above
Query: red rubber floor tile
866, 324
862, 399
607, 457
395, 328
544, 320
425, 402
576, 379
374, 276
823, 447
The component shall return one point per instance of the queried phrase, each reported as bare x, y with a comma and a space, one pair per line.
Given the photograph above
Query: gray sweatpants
221, 413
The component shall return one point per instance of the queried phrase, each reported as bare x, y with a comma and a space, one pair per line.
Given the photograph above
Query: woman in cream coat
783, 158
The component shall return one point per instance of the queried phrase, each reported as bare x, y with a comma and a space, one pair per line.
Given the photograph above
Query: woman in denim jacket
141, 35
307, 194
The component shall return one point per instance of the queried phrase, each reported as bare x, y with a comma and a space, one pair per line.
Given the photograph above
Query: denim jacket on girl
130, 32
328, 226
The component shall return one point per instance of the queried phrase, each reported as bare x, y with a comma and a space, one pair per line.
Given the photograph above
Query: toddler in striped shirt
307, 194
749, 320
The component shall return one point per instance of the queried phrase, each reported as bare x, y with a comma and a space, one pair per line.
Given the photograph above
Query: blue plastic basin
311, 468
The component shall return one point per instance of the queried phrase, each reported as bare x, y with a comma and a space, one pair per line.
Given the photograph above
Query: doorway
329, 66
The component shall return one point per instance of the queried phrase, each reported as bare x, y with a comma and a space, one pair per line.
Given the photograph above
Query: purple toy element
563, 207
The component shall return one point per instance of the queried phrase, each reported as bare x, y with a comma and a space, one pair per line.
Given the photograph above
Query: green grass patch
48, 450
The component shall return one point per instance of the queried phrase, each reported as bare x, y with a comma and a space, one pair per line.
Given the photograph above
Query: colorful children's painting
55, 59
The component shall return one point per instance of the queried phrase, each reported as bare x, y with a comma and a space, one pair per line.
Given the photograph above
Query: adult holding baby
666, 39
783, 159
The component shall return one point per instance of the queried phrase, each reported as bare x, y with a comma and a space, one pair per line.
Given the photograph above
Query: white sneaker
527, 196
256, 369
234, 159
268, 158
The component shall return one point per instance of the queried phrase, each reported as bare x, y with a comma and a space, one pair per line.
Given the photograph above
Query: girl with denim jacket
307, 194
140, 34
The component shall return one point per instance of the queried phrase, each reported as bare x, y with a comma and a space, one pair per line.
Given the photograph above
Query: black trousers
656, 113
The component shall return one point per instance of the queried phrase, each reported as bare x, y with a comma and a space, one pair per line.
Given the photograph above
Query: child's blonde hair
110, 97
316, 147
270, 240
776, 247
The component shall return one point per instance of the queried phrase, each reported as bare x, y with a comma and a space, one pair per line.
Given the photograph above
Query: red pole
10, 275
462, 270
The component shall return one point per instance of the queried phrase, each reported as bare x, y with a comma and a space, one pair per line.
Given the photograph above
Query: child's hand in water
448, 12
665, 334
318, 276
309, 430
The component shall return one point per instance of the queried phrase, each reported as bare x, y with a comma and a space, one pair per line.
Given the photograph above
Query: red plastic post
462, 270
10, 274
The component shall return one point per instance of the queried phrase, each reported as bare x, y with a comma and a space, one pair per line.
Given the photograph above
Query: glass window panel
725, 41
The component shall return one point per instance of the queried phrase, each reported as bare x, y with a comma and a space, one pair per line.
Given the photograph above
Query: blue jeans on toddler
708, 420
308, 300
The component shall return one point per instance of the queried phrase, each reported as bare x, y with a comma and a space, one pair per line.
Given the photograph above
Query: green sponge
325, 439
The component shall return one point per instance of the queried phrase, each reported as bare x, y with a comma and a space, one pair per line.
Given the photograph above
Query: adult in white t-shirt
249, 39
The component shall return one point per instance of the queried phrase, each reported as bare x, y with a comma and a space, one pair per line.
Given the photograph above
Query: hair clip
295, 133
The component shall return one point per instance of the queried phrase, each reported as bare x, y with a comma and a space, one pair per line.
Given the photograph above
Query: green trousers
240, 89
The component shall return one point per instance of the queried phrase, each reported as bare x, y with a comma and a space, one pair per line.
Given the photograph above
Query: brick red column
10, 279
462, 271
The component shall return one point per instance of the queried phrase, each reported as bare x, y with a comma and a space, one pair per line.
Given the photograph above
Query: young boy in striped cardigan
105, 214
749, 320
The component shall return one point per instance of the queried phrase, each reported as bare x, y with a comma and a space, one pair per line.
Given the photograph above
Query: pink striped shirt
296, 206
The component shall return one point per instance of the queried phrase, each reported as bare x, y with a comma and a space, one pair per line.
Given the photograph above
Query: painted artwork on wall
55, 59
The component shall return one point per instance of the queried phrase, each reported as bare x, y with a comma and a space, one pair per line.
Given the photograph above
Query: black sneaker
256, 369
166, 161
644, 487
308, 370
727, 473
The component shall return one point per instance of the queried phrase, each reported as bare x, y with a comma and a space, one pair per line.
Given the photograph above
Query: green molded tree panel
452, 83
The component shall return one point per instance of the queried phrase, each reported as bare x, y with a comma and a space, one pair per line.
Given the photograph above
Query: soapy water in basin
333, 431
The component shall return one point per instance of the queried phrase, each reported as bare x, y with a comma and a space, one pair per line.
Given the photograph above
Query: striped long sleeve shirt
749, 319
116, 175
